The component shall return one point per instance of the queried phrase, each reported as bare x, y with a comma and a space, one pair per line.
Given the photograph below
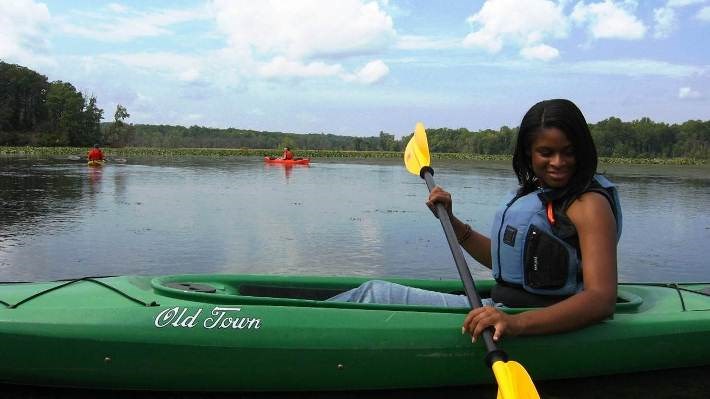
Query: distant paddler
95, 156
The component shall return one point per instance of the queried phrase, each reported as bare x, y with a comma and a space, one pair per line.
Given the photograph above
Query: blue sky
360, 67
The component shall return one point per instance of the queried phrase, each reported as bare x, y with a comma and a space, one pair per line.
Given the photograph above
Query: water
367, 218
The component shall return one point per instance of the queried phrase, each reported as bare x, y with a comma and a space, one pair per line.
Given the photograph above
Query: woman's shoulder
591, 200
591, 208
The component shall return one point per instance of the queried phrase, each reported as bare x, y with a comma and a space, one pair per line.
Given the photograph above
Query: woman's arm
592, 216
476, 244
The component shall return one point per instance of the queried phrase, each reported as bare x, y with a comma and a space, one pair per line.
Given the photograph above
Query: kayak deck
231, 332
95, 163
295, 161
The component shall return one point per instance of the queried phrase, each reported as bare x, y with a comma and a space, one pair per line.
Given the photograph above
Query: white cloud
665, 17
371, 73
193, 117
609, 20
124, 25
304, 29
176, 66
412, 42
616, 67
189, 74
256, 112
686, 93
521, 23
683, 3
283, 67
704, 14
116, 7
634, 67
23, 31
540, 52
666, 22
300, 39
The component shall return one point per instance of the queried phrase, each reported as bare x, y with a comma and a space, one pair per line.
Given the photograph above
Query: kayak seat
517, 297
513, 297
273, 291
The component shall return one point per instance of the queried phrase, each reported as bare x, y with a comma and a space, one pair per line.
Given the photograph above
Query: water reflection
31, 192
95, 174
354, 217
120, 182
287, 168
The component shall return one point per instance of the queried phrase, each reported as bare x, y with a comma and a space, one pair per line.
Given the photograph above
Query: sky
357, 67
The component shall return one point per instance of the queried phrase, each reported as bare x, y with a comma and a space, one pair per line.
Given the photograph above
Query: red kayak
295, 161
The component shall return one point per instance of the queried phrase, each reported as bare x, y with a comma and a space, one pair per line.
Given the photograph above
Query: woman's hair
563, 115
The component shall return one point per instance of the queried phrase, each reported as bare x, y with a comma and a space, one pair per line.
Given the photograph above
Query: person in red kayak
288, 154
95, 154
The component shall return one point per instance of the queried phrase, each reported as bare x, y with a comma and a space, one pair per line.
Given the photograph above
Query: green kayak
254, 333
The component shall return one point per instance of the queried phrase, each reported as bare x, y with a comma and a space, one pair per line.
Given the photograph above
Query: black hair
564, 115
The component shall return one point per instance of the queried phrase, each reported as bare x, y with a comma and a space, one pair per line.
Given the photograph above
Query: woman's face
552, 156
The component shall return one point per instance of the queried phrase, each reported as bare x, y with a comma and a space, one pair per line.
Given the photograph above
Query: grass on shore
232, 152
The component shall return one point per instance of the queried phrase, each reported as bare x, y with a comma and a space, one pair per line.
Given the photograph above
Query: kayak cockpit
313, 291
263, 290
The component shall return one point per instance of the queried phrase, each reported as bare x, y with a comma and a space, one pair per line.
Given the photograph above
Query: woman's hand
479, 319
438, 195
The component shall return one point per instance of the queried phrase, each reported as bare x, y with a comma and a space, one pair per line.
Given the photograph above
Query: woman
554, 239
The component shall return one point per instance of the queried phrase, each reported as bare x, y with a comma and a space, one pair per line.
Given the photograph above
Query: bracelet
466, 235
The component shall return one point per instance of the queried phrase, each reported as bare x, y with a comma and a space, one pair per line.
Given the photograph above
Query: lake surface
368, 218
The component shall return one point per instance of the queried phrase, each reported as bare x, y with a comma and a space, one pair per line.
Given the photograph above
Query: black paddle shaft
469, 286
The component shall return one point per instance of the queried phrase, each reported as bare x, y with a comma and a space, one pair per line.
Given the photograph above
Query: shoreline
231, 152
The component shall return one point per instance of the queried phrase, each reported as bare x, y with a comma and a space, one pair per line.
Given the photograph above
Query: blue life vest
526, 251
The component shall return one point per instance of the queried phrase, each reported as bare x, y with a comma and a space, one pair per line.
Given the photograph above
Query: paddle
117, 160
513, 380
107, 159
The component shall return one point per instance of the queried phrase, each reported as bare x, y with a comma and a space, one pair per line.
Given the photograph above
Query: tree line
642, 138
36, 112
33, 110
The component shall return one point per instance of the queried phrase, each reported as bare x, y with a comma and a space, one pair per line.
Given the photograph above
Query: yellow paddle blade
514, 382
416, 155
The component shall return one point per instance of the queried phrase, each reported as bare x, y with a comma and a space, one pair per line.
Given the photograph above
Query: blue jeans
384, 292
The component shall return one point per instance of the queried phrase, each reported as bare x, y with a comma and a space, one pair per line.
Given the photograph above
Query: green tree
387, 142
92, 122
121, 114
22, 102
65, 106
119, 133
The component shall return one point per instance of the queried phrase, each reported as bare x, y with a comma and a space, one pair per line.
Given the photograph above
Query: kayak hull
270, 333
95, 163
281, 161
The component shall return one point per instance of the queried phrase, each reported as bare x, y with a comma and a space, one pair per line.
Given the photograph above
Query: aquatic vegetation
126, 152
